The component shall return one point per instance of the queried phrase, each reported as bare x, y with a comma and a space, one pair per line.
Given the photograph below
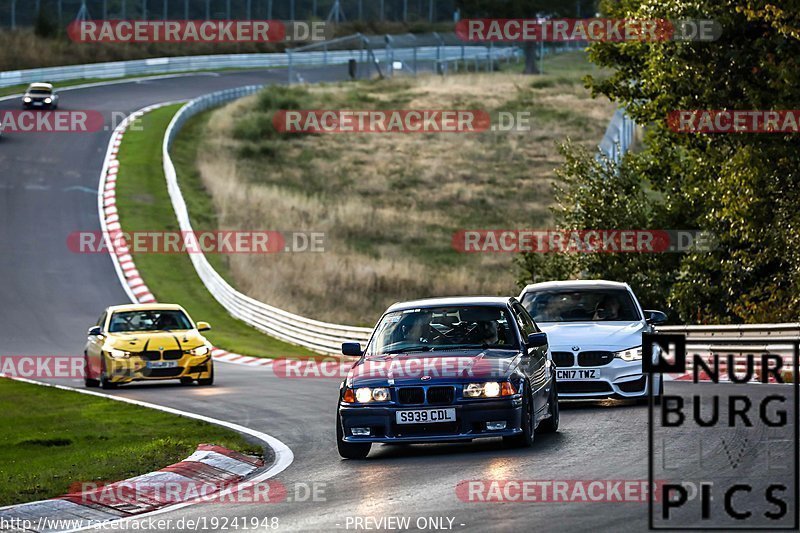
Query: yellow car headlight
119, 354
200, 350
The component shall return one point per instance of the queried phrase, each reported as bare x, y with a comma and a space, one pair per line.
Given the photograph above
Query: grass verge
79, 438
390, 204
144, 205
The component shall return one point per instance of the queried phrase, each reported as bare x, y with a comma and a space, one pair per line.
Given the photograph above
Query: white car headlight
631, 354
200, 350
27, 99
118, 354
48, 100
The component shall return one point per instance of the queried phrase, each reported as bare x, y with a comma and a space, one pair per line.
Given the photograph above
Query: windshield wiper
407, 350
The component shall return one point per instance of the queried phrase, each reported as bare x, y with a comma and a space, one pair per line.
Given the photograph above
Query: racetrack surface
50, 296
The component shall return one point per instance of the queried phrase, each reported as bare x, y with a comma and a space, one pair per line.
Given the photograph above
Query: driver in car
485, 332
607, 309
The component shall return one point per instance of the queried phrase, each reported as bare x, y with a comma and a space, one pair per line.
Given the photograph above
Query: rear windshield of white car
148, 320
583, 305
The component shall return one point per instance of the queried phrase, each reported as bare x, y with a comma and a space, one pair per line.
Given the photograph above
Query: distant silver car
595, 331
40, 96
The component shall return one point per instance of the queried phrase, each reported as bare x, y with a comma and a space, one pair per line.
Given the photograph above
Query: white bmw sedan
595, 331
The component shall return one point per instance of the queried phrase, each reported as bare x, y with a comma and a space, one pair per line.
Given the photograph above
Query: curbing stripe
129, 277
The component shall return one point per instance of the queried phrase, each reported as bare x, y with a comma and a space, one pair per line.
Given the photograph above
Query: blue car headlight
366, 395
489, 389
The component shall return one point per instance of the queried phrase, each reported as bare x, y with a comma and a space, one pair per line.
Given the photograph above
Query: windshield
582, 305
149, 320
43, 92
443, 328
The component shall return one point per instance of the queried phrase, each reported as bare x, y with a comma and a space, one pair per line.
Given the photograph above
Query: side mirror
203, 326
654, 317
95, 331
351, 348
536, 340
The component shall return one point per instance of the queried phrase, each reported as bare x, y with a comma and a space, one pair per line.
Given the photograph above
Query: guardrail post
389, 54
289, 65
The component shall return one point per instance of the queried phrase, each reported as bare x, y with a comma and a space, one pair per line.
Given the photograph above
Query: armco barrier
618, 137
319, 336
169, 65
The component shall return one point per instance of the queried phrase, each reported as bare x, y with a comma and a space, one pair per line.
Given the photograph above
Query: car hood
428, 368
157, 340
611, 336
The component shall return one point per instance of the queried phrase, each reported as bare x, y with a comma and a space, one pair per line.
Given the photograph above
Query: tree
44, 25
741, 187
510, 9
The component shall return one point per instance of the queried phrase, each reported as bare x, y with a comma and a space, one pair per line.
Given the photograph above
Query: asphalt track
49, 296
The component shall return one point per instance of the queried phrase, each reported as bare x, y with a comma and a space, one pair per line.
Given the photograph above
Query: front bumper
470, 423
135, 368
617, 379
36, 104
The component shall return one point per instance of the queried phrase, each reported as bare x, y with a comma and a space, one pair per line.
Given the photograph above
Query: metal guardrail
170, 65
319, 336
618, 137
743, 332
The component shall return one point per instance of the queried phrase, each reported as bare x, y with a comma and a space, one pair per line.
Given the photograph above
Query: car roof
576, 284
495, 301
145, 307
41, 86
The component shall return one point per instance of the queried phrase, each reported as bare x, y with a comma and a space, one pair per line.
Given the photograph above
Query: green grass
52, 438
144, 205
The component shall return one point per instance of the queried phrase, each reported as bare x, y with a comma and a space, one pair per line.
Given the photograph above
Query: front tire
88, 382
105, 383
550, 424
524, 439
350, 450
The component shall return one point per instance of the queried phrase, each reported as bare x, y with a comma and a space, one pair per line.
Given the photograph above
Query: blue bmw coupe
448, 369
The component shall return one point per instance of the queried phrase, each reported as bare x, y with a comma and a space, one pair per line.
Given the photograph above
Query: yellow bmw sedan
141, 342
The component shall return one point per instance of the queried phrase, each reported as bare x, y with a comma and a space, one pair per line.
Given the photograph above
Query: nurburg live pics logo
727, 447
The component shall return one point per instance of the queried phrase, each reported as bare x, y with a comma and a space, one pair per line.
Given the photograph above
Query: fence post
289, 65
